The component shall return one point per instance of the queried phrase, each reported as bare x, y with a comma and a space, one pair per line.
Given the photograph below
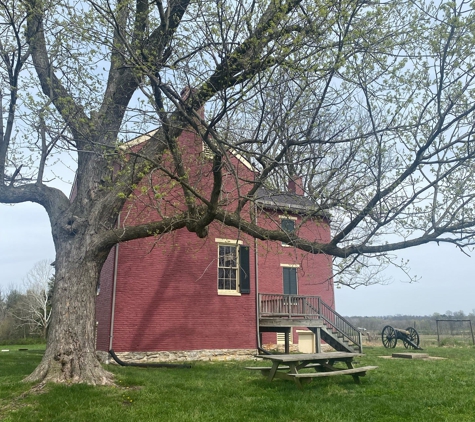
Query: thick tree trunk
70, 353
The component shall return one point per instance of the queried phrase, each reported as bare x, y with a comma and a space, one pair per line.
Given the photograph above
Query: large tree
372, 103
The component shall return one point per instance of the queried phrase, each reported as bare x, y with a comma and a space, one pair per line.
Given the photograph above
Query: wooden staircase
278, 313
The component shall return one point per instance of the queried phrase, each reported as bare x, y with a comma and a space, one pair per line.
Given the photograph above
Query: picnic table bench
289, 366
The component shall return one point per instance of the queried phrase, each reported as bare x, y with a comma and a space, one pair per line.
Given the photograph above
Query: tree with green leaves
372, 103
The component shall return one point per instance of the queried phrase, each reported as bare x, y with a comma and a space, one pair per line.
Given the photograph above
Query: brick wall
314, 271
104, 303
167, 297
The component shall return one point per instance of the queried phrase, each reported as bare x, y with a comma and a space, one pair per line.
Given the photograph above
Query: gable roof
264, 197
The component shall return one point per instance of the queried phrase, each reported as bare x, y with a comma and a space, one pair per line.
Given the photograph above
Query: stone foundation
280, 348
180, 356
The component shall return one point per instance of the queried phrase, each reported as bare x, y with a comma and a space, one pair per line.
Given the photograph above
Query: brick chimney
295, 185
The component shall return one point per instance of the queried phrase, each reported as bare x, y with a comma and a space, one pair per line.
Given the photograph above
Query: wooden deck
279, 313
289, 322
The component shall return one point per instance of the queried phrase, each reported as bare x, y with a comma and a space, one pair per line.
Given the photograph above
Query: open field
426, 341
400, 390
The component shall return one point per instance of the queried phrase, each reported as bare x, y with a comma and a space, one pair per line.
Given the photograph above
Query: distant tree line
423, 324
25, 310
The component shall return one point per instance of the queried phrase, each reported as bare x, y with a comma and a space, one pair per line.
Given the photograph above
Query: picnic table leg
298, 383
293, 370
356, 377
273, 370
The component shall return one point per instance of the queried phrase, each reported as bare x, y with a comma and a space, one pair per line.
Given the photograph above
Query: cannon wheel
413, 336
389, 337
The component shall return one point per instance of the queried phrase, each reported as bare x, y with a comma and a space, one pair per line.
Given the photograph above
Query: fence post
438, 337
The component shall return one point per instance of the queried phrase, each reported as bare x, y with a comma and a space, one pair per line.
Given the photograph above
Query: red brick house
182, 297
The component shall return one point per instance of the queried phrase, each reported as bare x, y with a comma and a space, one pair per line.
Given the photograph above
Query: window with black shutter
227, 267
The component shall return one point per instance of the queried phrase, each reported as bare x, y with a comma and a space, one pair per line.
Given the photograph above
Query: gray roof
285, 201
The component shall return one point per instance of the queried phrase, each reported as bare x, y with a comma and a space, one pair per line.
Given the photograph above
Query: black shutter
244, 270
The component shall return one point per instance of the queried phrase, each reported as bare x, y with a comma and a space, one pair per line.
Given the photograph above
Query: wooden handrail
340, 324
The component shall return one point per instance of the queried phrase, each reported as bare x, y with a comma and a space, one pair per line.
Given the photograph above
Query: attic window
288, 226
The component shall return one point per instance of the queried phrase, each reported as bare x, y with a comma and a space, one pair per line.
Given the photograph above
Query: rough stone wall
181, 356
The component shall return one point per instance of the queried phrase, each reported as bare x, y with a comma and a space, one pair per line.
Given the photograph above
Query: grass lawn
400, 390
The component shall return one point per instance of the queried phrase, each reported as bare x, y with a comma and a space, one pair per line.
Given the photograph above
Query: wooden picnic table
289, 366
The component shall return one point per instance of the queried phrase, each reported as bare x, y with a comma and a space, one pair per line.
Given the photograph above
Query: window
233, 267
288, 226
228, 268
289, 275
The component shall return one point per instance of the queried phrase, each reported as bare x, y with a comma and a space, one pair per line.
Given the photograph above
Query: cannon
409, 337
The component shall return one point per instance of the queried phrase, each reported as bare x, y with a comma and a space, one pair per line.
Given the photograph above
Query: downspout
256, 278
114, 287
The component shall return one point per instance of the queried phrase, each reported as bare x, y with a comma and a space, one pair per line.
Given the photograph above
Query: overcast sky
446, 274
446, 284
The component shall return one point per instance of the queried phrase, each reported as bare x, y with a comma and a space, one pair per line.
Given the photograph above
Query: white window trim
290, 265
228, 241
236, 243
228, 293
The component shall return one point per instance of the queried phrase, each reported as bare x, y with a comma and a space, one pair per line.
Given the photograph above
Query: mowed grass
400, 390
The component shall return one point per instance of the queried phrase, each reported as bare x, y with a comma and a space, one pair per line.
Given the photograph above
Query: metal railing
307, 307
